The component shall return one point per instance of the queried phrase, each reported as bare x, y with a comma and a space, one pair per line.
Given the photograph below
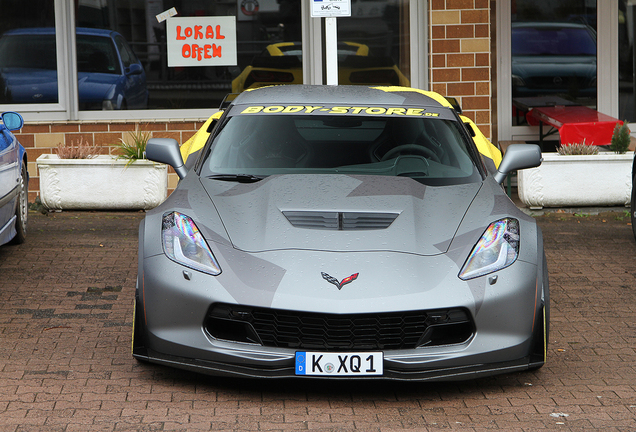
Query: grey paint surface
411, 265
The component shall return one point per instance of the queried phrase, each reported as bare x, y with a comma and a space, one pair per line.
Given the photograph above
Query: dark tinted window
96, 54
564, 41
31, 51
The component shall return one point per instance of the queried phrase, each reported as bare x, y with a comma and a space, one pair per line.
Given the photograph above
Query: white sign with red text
201, 41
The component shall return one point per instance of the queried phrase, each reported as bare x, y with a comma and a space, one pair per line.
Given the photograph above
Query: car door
9, 167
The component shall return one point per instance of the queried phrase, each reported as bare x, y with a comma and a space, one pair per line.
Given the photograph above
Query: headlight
184, 244
497, 248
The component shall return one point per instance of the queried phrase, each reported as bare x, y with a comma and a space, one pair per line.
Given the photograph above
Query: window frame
607, 68
67, 108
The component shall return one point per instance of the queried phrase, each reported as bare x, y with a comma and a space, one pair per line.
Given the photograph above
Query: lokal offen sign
201, 41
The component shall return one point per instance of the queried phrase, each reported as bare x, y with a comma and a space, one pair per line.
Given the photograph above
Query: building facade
98, 69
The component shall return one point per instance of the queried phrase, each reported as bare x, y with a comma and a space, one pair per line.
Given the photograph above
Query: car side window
128, 57
123, 52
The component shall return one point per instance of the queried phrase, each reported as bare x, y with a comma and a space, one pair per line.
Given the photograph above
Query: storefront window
138, 77
28, 62
554, 54
373, 44
626, 77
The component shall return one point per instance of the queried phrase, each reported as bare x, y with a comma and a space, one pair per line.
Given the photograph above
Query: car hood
340, 213
27, 85
96, 86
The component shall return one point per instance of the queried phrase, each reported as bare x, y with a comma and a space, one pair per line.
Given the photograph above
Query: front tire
22, 207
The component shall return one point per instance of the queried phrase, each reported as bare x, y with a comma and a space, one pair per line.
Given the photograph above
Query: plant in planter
135, 148
620, 138
78, 178
81, 150
577, 149
577, 175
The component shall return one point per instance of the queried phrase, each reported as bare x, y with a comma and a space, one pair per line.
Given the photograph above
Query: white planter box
562, 181
101, 183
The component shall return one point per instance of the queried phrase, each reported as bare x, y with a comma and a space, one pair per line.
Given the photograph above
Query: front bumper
172, 309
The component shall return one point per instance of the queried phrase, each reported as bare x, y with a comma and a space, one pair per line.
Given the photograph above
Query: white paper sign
330, 8
201, 41
165, 15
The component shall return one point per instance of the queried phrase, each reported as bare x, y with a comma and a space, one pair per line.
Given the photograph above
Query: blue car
109, 74
553, 58
14, 182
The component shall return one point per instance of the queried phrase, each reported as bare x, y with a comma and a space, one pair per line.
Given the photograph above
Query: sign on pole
201, 41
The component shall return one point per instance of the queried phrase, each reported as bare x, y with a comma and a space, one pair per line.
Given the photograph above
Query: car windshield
37, 51
431, 150
28, 51
552, 41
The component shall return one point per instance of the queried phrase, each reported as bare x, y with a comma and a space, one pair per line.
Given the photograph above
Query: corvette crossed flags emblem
335, 281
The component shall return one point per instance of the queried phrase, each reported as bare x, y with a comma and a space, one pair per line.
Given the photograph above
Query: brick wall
460, 56
43, 137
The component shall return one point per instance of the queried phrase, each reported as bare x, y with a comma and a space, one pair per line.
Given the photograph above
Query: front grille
338, 332
340, 220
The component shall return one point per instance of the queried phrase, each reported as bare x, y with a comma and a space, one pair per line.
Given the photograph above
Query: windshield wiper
241, 178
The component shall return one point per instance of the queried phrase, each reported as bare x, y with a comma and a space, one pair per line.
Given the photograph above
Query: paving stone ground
65, 330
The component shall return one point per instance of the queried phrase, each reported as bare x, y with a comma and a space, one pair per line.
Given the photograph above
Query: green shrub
134, 147
620, 138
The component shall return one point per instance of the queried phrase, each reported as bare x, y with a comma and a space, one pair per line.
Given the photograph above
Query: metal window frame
607, 68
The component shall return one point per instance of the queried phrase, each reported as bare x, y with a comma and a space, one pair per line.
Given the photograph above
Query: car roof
549, 25
50, 30
343, 95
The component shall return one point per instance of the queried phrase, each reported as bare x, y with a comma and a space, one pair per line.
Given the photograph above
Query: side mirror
12, 120
166, 150
134, 69
518, 156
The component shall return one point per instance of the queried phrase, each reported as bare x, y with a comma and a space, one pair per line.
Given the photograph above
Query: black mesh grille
340, 220
302, 330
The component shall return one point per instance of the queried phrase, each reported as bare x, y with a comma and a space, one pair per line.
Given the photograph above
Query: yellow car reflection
281, 63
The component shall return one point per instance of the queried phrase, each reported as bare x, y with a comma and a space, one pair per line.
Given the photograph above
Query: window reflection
374, 43
259, 25
28, 65
553, 54
627, 80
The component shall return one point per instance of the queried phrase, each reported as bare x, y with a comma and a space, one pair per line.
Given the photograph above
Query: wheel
22, 208
411, 148
632, 208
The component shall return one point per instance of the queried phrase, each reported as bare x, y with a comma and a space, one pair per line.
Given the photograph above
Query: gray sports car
341, 231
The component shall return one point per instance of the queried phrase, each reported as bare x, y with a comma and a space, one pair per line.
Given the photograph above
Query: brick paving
66, 318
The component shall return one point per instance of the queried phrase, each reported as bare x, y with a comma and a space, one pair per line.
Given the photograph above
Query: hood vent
343, 221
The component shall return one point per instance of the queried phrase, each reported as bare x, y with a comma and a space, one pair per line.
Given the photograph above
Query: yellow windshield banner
365, 110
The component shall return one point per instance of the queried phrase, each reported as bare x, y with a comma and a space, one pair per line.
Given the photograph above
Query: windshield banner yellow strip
306, 109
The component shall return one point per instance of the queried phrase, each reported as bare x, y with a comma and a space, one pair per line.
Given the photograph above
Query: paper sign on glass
330, 8
201, 41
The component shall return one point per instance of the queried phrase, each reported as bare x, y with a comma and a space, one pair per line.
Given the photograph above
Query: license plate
339, 364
